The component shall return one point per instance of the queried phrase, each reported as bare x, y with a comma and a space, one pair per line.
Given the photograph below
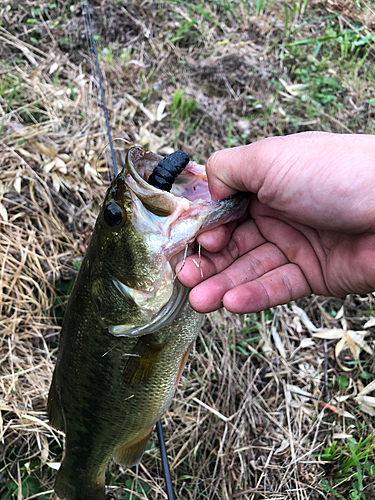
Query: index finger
245, 237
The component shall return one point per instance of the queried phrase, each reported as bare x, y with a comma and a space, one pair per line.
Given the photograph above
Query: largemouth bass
128, 326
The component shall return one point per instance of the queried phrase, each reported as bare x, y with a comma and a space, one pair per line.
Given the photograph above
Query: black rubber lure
167, 171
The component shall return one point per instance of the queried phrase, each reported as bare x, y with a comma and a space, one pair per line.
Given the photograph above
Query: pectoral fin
142, 362
130, 454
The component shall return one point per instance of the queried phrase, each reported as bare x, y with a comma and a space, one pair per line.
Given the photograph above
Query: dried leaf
160, 111
328, 406
369, 388
139, 105
17, 184
53, 68
3, 212
54, 465
296, 321
369, 323
346, 414
56, 182
278, 342
64, 157
329, 334
45, 150
304, 318
59, 162
153, 142
44, 448
297, 390
341, 399
63, 169
340, 313
27, 154
340, 347
306, 342
283, 446
367, 402
47, 167
340, 435
295, 89
91, 173
359, 339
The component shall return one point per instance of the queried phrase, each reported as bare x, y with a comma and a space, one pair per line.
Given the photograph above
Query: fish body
128, 326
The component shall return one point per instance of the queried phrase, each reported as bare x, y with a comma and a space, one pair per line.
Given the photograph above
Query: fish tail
81, 489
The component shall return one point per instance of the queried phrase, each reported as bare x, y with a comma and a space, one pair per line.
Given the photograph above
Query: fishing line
92, 47
114, 165
95, 88
164, 461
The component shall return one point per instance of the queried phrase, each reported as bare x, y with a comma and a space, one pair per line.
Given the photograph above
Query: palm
269, 259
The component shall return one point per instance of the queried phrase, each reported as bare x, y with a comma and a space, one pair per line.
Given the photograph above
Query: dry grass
251, 414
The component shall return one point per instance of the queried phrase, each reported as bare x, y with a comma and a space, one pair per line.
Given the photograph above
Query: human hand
310, 226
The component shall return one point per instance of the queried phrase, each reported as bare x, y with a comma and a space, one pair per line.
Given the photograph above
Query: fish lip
137, 154
167, 314
158, 201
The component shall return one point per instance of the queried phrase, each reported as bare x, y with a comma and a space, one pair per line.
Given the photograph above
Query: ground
276, 405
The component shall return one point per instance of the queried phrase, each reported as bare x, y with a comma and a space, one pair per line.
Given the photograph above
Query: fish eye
113, 215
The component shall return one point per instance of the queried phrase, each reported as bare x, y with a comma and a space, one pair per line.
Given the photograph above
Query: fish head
140, 235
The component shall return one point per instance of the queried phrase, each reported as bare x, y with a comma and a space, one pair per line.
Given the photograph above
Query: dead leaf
46, 150
160, 111
297, 390
340, 347
139, 105
327, 406
369, 323
17, 184
367, 402
304, 318
278, 342
3, 212
294, 89
59, 162
47, 167
329, 333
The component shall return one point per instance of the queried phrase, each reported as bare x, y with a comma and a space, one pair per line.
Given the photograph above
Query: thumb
242, 168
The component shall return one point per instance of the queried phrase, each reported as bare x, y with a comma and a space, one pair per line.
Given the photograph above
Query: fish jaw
169, 223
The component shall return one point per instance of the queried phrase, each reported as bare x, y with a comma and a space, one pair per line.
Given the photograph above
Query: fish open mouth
189, 198
190, 185
169, 222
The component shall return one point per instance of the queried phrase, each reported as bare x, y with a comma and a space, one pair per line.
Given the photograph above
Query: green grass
183, 118
351, 462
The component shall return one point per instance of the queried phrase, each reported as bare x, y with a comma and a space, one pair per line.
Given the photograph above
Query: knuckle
287, 284
233, 250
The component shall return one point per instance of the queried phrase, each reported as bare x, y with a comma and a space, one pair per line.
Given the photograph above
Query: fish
128, 326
